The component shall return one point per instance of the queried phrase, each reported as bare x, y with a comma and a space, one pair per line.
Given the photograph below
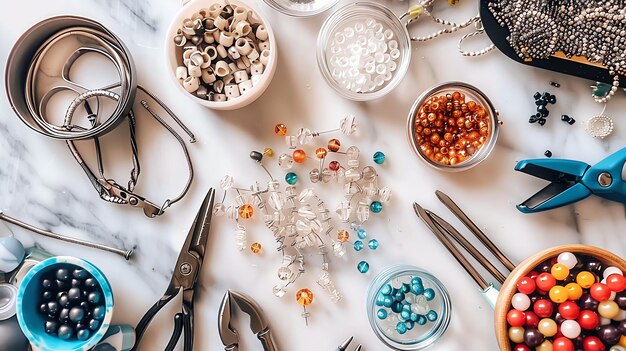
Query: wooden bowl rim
509, 287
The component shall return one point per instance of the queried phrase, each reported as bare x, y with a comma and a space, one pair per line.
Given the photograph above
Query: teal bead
380, 300
401, 328
373, 244
409, 324
376, 206
361, 233
406, 287
414, 316
406, 306
429, 294
363, 267
416, 280
406, 315
382, 314
358, 245
379, 157
431, 315
417, 289
291, 178
386, 289
388, 302
421, 320
399, 296
396, 307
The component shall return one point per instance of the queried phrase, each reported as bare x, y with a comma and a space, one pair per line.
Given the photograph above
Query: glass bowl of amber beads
453, 126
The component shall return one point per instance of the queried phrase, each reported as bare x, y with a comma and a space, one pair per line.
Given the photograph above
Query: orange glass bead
334, 145
246, 211
255, 248
343, 235
321, 152
280, 129
304, 297
574, 291
299, 156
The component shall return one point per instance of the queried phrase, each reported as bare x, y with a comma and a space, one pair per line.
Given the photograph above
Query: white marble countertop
40, 182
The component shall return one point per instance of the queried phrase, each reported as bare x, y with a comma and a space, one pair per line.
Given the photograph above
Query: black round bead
587, 302
257, 156
51, 327
94, 297
620, 299
83, 334
98, 312
64, 316
90, 282
533, 337
80, 274
74, 294
62, 274
47, 295
609, 334
77, 314
94, 324
65, 332
53, 307
47, 283
594, 265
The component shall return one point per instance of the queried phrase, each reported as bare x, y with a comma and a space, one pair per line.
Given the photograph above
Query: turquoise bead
406, 315
373, 244
386, 289
291, 178
363, 267
380, 300
399, 296
358, 245
379, 157
429, 294
388, 301
406, 306
431, 315
406, 287
401, 328
382, 314
416, 280
409, 324
361, 233
396, 307
421, 320
417, 289
376, 207
414, 316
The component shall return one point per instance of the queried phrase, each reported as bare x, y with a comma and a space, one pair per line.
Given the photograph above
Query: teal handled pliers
571, 181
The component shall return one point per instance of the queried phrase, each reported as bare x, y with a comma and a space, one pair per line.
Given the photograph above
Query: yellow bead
321, 153
558, 294
547, 327
559, 271
255, 248
246, 211
608, 309
585, 279
574, 291
622, 341
545, 346
305, 297
343, 235
280, 129
268, 152
516, 334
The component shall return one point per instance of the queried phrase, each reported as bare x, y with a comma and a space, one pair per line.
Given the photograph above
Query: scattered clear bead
219, 209
285, 162
304, 136
227, 182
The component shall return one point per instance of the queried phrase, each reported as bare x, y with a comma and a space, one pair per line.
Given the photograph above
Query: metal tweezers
446, 233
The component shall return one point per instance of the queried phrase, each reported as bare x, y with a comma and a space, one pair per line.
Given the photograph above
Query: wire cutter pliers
184, 279
571, 181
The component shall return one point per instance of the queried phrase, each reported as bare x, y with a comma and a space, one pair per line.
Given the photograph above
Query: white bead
520, 302
393, 44
191, 84
221, 69
181, 72
194, 71
242, 29
232, 91
395, 54
261, 33
215, 9
264, 45
228, 79
226, 39
256, 69
255, 79
211, 51
233, 53
243, 46
221, 23
245, 86
241, 13
241, 76
253, 55
219, 97
265, 57
221, 51
208, 38
388, 34
232, 66
567, 259
339, 38
612, 270
570, 329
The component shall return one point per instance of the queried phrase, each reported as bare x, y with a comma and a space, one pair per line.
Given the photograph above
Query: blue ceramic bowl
32, 322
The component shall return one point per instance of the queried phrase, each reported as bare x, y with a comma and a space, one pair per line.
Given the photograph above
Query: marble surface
40, 183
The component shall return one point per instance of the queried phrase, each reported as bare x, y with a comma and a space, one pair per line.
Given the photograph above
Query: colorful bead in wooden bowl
569, 303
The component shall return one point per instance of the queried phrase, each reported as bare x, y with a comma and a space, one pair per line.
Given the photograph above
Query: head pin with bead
304, 297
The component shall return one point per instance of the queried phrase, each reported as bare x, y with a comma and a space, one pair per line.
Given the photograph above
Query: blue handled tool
571, 181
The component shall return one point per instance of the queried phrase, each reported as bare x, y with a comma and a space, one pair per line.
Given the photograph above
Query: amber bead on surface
280, 129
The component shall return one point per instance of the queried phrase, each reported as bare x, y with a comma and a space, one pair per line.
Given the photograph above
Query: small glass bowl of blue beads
407, 308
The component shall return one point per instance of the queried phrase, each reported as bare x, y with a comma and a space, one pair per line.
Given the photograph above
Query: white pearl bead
567, 259
520, 302
570, 329
612, 270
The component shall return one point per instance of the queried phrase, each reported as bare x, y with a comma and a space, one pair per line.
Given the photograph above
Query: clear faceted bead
306, 195
285, 162
339, 249
303, 227
353, 152
369, 174
314, 175
316, 226
232, 212
290, 191
385, 194
227, 182
305, 211
348, 125
370, 190
241, 237
362, 212
353, 175
291, 141
304, 136
344, 210
350, 189
279, 291
284, 273
219, 209
276, 200
327, 175
273, 185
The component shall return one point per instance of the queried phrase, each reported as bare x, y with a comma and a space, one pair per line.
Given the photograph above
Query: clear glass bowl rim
278, 6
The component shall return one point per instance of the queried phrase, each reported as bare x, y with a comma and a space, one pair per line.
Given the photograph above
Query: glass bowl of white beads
407, 308
301, 8
363, 51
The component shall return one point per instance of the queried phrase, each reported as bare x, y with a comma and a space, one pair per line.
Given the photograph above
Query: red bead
545, 281
516, 318
543, 308
593, 343
615, 282
562, 344
532, 275
532, 320
600, 292
588, 320
526, 285
521, 347
334, 166
569, 310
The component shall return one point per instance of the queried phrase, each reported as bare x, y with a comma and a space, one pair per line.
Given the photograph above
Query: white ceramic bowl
174, 60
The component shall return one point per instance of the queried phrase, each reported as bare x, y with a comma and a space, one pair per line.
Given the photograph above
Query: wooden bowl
509, 288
